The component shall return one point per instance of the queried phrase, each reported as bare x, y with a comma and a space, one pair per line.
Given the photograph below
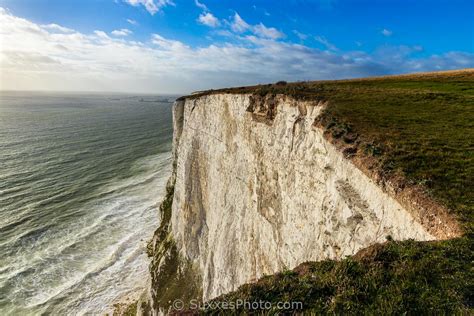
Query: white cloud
132, 22
238, 24
386, 32
101, 34
268, 32
151, 6
201, 5
167, 44
325, 42
57, 28
33, 57
121, 32
208, 19
300, 35
224, 33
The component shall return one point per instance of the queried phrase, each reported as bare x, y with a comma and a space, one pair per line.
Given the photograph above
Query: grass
393, 278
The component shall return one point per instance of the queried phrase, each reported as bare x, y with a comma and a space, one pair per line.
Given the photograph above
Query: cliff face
258, 189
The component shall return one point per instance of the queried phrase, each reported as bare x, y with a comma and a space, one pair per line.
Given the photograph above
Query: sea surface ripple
81, 176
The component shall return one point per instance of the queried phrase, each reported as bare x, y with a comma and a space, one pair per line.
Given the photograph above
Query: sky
180, 46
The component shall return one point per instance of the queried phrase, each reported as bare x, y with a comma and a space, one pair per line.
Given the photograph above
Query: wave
101, 266
116, 208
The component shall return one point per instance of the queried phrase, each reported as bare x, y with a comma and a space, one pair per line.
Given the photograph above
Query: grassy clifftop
415, 131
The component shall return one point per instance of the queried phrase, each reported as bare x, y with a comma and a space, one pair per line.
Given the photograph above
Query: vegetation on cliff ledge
385, 279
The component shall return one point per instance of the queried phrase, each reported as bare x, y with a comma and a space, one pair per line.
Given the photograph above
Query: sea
81, 179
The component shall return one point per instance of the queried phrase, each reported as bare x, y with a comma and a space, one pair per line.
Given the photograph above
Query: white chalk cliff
253, 196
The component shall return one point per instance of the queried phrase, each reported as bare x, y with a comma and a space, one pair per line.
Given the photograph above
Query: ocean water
81, 178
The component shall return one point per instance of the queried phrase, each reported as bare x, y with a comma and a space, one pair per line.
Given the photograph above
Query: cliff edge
269, 177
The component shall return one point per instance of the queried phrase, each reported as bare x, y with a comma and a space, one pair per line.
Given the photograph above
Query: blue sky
179, 46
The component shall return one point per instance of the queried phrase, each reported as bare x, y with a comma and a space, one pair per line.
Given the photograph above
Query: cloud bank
54, 57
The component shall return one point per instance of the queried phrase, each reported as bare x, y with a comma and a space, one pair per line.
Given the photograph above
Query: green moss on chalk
173, 277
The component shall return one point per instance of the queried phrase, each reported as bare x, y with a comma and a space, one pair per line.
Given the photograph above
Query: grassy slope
390, 279
419, 127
